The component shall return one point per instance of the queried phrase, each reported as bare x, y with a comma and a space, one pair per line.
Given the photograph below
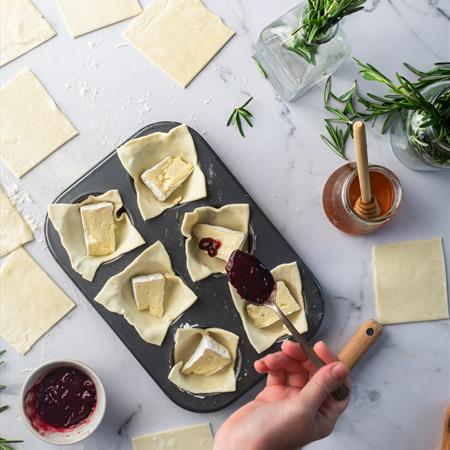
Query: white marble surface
109, 91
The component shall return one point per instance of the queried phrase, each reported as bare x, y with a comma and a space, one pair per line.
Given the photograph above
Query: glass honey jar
342, 190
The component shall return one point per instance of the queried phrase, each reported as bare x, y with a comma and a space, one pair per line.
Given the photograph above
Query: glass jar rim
388, 214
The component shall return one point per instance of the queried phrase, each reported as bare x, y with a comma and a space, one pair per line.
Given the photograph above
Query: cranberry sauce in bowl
63, 402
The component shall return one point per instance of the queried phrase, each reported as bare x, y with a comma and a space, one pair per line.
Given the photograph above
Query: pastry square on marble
186, 341
30, 301
66, 219
197, 437
31, 124
263, 338
180, 37
233, 216
14, 231
84, 16
22, 28
410, 281
117, 294
139, 155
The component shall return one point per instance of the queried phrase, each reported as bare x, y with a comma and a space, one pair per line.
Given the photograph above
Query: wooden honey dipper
366, 206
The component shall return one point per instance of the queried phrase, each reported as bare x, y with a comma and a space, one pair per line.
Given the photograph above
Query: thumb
322, 384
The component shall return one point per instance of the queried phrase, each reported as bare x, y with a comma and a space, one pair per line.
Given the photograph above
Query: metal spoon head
251, 278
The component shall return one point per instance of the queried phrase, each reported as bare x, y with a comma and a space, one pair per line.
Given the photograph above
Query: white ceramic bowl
83, 430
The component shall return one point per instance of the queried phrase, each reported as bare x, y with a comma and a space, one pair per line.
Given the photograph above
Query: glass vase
291, 74
415, 143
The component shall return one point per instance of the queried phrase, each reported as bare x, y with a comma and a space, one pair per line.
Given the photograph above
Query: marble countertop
108, 90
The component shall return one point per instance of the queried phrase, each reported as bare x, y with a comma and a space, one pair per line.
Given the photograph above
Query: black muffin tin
214, 307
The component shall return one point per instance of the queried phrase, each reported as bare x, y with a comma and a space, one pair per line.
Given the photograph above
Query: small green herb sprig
241, 115
4, 443
403, 95
319, 17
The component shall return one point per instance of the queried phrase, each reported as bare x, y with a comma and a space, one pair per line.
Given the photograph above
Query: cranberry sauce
252, 280
210, 245
61, 400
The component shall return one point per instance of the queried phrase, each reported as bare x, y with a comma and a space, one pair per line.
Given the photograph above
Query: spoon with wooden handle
366, 206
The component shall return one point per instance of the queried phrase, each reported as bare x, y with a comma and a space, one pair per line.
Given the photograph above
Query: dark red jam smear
252, 280
210, 245
61, 400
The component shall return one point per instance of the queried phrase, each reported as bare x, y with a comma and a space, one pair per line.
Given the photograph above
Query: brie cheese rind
98, 228
187, 340
209, 357
148, 293
14, 230
263, 338
230, 240
117, 294
141, 154
66, 219
233, 216
410, 281
263, 316
167, 176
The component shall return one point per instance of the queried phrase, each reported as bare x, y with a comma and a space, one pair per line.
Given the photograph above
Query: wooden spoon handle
362, 162
360, 342
446, 438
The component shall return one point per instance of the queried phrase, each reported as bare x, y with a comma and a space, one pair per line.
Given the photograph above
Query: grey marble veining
108, 90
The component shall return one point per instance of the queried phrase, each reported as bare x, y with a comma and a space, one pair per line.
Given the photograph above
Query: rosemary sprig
241, 115
403, 95
319, 17
4, 443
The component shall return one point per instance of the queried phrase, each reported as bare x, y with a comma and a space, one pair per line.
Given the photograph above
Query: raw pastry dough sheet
263, 338
234, 216
197, 437
66, 219
179, 36
142, 153
410, 281
117, 295
14, 231
186, 341
84, 16
31, 124
22, 28
30, 301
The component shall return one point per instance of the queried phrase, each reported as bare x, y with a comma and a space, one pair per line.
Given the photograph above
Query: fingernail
339, 372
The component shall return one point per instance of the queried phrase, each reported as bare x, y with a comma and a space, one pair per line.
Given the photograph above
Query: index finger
294, 351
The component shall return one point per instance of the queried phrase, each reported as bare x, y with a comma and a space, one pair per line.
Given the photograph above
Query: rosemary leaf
260, 68
239, 114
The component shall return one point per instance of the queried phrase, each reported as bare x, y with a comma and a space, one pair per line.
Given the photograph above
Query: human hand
294, 409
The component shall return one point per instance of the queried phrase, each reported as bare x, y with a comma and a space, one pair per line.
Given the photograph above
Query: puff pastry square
66, 219
179, 36
410, 281
186, 341
30, 301
145, 152
31, 124
117, 294
263, 338
234, 216
14, 231
22, 28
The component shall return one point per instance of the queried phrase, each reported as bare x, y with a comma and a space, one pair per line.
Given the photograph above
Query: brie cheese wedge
99, 228
263, 316
230, 240
167, 176
148, 293
208, 358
